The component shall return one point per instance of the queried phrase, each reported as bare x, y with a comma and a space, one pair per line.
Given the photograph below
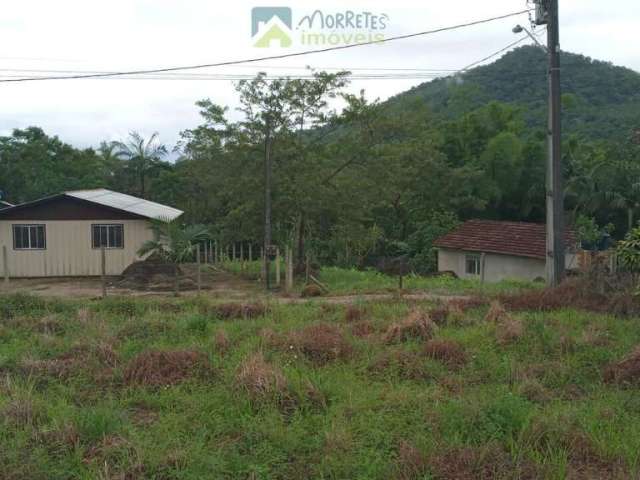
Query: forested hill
600, 100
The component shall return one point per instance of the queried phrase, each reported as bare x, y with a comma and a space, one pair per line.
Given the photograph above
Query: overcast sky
89, 35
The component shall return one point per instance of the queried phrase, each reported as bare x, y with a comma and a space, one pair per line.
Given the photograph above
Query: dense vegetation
125, 388
374, 179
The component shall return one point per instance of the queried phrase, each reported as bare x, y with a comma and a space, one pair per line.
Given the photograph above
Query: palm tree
143, 156
174, 244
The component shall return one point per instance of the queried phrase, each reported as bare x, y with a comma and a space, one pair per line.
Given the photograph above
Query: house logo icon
271, 25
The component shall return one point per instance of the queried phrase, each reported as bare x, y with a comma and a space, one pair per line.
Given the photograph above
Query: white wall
69, 251
497, 267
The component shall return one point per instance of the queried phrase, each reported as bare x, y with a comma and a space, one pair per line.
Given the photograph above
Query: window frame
29, 226
477, 263
109, 226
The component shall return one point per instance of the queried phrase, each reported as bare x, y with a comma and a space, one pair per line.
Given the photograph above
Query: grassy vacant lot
342, 281
186, 389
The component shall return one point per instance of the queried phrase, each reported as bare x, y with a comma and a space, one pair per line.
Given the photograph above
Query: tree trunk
176, 280
630, 218
301, 254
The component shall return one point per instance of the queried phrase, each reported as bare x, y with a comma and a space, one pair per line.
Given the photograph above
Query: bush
158, 368
447, 351
321, 343
417, 325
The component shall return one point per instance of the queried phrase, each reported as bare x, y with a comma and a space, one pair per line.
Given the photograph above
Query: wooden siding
68, 250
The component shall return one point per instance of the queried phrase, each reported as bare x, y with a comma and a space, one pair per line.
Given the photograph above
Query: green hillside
601, 100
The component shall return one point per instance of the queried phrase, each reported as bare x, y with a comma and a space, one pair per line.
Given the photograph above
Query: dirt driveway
218, 285
221, 286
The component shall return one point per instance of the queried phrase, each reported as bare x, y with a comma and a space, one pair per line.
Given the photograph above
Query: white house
493, 250
63, 235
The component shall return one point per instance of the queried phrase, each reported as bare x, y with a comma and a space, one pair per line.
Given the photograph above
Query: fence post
103, 270
5, 263
198, 262
277, 266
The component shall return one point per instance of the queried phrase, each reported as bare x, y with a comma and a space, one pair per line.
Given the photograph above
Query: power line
271, 57
398, 74
489, 57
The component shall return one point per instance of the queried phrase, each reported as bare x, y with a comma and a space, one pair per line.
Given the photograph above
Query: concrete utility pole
547, 13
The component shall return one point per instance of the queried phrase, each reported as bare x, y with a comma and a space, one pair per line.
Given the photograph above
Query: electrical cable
259, 59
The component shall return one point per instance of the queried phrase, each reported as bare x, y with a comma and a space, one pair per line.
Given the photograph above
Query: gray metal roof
127, 203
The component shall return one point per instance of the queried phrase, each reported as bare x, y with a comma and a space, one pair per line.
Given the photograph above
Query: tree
174, 244
143, 157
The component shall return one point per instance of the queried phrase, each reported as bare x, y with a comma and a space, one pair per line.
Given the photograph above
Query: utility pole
547, 13
267, 205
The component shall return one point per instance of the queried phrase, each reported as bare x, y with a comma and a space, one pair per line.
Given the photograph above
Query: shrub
363, 328
311, 290
626, 371
353, 313
227, 311
321, 343
417, 325
508, 331
447, 351
21, 304
221, 341
404, 364
496, 313
260, 380
157, 368
94, 359
411, 463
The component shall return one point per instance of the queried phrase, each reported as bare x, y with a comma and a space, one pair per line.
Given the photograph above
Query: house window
107, 236
472, 264
29, 237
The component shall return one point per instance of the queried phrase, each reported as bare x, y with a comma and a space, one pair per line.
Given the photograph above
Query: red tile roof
508, 238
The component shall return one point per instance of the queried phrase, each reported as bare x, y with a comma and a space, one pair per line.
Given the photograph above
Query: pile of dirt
156, 276
160, 368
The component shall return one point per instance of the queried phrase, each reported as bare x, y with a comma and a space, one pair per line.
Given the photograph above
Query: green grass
341, 281
515, 407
